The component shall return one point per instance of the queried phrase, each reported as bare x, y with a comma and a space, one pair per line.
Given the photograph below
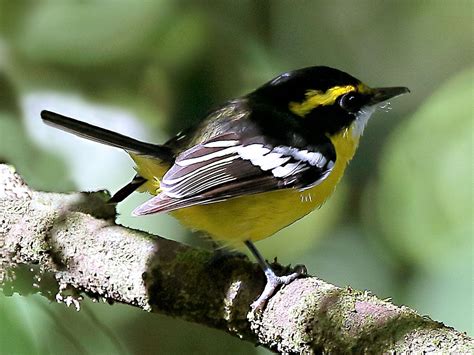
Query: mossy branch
70, 246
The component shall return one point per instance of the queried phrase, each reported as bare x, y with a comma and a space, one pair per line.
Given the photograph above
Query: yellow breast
257, 216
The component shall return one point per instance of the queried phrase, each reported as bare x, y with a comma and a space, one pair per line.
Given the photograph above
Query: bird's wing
228, 166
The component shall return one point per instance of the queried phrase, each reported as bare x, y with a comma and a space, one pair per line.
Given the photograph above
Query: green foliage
424, 200
39, 167
90, 33
15, 336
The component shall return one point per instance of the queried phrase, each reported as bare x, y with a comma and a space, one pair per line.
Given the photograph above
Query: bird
254, 164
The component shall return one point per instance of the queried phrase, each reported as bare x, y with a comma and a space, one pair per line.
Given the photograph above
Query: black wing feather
218, 170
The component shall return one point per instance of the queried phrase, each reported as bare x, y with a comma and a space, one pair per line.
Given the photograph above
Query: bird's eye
349, 102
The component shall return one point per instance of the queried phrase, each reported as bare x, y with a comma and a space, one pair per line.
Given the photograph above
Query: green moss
193, 257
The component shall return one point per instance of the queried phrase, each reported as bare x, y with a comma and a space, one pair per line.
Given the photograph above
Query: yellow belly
258, 216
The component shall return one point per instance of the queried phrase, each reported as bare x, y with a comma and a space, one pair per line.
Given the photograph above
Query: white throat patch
361, 121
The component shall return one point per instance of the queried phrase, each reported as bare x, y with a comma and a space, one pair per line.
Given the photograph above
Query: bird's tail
104, 136
127, 190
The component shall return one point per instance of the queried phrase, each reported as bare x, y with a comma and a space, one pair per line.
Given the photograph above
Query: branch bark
68, 245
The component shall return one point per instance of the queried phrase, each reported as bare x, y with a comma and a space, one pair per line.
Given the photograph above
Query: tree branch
68, 245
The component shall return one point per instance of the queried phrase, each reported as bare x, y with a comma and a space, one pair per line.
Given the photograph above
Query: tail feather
104, 136
127, 190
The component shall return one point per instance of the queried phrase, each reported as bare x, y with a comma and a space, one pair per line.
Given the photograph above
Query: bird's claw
273, 282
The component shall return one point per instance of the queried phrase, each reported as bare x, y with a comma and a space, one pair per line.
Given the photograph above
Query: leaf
90, 33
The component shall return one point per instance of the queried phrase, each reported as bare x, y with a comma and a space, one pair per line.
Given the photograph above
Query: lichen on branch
70, 247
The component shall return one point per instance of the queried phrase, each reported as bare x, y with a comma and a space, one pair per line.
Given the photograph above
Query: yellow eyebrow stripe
315, 98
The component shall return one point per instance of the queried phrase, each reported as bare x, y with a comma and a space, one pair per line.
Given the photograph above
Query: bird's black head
328, 99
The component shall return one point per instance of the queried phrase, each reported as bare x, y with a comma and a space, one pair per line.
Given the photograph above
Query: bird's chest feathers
257, 216
345, 144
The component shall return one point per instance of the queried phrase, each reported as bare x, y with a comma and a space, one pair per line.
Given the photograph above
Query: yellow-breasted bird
255, 164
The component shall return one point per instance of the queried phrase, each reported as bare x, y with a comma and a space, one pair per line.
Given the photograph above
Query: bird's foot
273, 282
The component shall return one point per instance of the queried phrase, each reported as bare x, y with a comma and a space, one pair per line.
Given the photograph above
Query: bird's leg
273, 281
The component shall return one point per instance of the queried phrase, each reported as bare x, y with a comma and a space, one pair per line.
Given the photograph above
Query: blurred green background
399, 225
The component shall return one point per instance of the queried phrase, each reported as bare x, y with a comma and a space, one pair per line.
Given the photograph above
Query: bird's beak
384, 94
